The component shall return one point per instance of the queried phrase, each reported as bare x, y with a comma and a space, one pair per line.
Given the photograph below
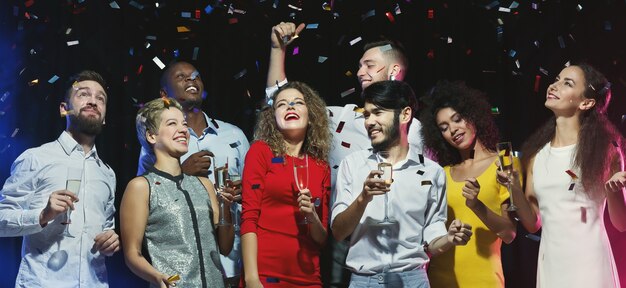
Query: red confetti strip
390, 17
431, 13
340, 126
537, 81
345, 144
197, 14
140, 69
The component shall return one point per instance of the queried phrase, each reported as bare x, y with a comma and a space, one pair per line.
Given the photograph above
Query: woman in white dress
574, 167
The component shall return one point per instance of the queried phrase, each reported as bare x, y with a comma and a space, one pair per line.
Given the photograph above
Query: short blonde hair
149, 117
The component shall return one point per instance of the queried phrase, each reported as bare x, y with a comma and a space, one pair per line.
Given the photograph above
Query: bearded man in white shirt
392, 253
64, 249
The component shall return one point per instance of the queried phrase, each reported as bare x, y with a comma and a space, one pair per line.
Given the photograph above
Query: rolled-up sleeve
437, 210
269, 91
343, 190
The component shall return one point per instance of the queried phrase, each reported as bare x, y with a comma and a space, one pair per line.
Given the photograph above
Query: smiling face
373, 67
173, 135
291, 112
86, 107
382, 125
454, 129
183, 83
565, 95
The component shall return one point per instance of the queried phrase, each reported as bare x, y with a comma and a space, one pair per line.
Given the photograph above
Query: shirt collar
211, 127
69, 144
413, 157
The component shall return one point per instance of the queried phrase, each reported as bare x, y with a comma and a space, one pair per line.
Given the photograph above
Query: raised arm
281, 32
133, 217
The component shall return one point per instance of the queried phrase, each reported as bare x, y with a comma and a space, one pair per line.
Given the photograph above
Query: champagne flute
301, 176
72, 184
505, 155
387, 169
234, 177
221, 177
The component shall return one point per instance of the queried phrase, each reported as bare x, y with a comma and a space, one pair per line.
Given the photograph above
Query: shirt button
380, 277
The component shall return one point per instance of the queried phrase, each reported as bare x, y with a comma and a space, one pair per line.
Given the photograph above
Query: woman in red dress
283, 224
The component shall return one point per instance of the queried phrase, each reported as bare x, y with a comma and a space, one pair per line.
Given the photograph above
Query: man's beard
392, 136
86, 125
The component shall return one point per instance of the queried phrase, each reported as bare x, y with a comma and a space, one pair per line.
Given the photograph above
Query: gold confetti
173, 278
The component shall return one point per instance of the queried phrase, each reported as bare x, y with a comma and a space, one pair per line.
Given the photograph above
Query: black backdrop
511, 50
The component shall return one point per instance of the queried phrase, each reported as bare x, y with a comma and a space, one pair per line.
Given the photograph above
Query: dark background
456, 40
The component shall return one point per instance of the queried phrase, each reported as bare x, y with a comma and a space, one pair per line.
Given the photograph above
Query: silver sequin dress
179, 237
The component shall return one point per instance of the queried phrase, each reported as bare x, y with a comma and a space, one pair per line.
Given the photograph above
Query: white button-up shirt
37, 173
417, 201
228, 143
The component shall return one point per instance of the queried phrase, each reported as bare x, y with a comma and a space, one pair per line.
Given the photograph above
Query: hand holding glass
221, 177
236, 198
72, 184
505, 155
301, 176
387, 169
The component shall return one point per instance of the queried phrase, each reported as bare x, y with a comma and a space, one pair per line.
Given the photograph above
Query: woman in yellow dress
459, 130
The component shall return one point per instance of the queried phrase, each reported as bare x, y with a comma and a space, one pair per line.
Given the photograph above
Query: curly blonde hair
318, 138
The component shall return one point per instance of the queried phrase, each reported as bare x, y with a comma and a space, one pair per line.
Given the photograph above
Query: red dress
287, 255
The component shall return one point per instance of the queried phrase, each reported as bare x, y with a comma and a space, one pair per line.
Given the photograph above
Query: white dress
575, 249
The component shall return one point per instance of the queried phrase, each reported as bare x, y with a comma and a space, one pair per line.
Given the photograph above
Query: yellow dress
477, 264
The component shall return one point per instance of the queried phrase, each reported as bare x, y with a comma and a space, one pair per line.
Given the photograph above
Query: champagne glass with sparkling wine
387, 169
505, 155
301, 176
72, 184
221, 177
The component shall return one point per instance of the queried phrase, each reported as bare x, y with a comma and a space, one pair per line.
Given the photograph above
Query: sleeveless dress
574, 249
478, 263
179, 237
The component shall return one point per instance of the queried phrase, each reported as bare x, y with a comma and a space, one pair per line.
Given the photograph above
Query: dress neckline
164, 174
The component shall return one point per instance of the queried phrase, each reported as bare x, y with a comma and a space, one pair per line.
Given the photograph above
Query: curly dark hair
595, 154
473, 107
318, 137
